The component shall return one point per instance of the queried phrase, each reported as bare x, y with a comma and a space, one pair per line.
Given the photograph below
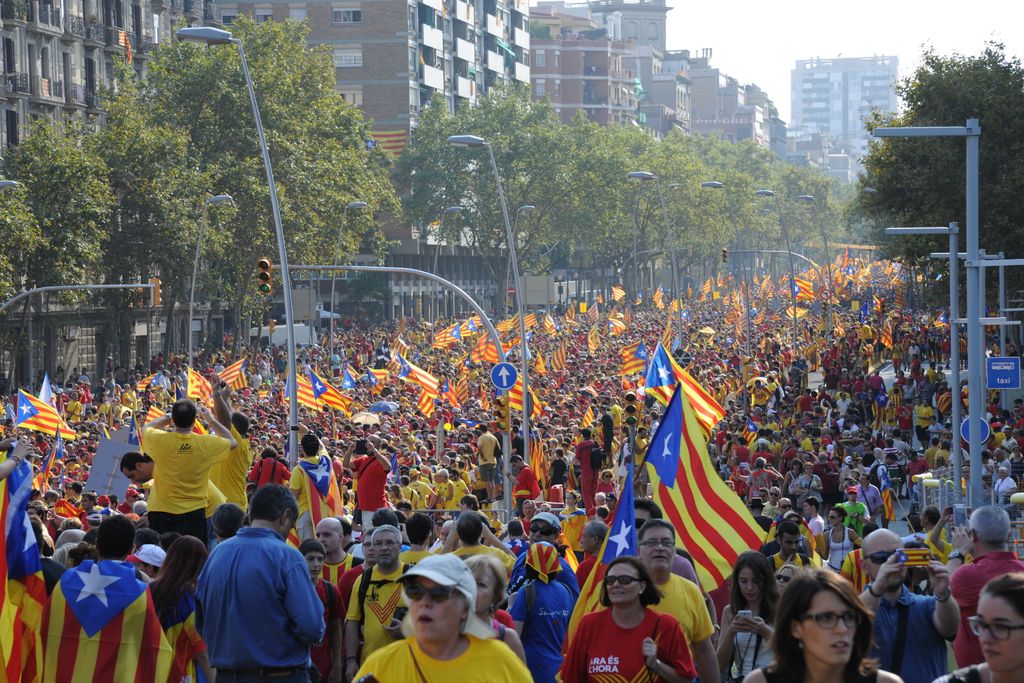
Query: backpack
596, 457
364, 588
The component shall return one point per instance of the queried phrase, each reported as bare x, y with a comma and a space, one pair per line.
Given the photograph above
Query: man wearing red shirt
987, 540
588, 475
525, 486
592, 537
370, 472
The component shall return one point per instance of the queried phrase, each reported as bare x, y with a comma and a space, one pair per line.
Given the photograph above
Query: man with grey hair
591, 538
986, 539
374, 599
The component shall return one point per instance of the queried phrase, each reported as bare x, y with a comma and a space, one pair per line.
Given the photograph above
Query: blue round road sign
504, 376
986, 430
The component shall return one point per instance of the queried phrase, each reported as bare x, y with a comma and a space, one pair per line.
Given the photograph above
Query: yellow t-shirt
383, 596
214, 498
299, 484
683, 600
470, 551
411, 557
423, 488
182, 468
486, 447
484, 661
229, 475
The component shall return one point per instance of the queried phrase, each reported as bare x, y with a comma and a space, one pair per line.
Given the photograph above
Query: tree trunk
19, 340
168, 315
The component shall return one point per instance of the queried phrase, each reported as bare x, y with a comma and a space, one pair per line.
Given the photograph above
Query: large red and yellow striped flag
234, 374
659, 297
588, 417
570, 313
198, 387
711, 521
707, 410
887, 334
515, 399
560, 356
549, 324
618, 293
593, 339
40, 416
425, 402
462, 389
100, 624
305, 395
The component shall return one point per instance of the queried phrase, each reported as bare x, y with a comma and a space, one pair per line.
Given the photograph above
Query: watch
870, 586
956, 555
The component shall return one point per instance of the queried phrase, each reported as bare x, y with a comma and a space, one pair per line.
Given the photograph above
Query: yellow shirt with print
182, 464
411, 557
684, 601
413, 496
230, 474
383, 596
471, 550
484, 661
423, 489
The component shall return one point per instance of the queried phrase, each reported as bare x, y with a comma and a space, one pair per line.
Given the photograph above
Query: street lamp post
215, 36
643, 177
475, 142
214, 201
953, 231
792, 269
525, 208
354, 206
437, 253
809, 199
716, 185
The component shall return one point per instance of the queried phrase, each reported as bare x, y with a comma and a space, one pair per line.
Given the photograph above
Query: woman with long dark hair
174, 597
822, 635
745, 643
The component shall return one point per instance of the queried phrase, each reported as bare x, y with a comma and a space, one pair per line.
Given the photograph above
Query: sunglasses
784, 578
543, 529
621, 579
881, 556
416, 592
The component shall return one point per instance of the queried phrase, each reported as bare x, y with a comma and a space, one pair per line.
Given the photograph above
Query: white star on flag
621, 539
667, 451
25, 408
95, 583
664, 374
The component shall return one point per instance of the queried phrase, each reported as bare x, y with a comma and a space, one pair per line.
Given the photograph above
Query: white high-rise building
835, 96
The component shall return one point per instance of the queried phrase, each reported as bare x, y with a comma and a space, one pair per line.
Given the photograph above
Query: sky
758, 42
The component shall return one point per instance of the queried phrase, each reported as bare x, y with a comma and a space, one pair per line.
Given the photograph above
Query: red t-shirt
967, 583
370, 496
526, 485
504, 618
345, 583
321, 652
268, 471
604, 651
583, 571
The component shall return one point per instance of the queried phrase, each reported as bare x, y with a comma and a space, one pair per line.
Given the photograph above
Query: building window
538, 88
538, 58
263, 15
652, 31
353, 96
558, 58
297, 13
345, 57
228, 19
558, 88
346, 16
631, 30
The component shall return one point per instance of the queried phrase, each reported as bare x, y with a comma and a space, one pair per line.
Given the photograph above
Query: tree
921, 181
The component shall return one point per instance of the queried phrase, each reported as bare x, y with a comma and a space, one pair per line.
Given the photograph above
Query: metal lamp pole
647, 176
525, 208
437, 253
215, 200
716, 185
354, 206
475, 141
215, 36
789, 252
809, 199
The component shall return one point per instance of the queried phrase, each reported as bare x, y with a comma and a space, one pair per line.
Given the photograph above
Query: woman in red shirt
619, 644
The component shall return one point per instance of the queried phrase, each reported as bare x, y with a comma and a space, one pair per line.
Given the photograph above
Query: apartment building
59, 54
393, 56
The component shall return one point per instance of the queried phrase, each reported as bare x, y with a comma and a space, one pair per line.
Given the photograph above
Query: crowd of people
383, 549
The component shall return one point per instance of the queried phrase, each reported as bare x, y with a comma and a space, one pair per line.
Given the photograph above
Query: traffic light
265, 275
725, 255
502, 413
632, 409
155, 299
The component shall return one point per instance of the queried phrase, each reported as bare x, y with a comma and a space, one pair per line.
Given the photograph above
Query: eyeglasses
787, 506
881, 556
658, 543
995, 631
621, 579
416, 592
542, 529
830, 619
784, 578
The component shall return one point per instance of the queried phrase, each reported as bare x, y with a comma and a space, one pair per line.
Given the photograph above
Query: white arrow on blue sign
504, 376
986, 430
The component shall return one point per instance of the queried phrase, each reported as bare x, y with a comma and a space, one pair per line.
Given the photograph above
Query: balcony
432, 37
48, 89
74, 27
495, 62
211, 11
114, 42
76, 94
16, 10
94, 35
44, 18
466, 88
93, 100
192, 8
465, 50
464, 11
17, 84
433, 77
522, 72
495, 26
521, 38
435, 4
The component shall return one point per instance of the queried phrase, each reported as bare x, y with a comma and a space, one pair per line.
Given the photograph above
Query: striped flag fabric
515, 399
462, 389
588, 417
450, 336
448, 392
234, 374
40, 416
56, 454
305, 394
323, 488
65, 508
707, 410
530, 321
659, 297
888, 494
616, 327
711, 521
470, 326
417, 375
618, 293
549, 324
400, 345
560, 357
634, 358
199, 387
570, 314
886, 337
153, 413
620, 540
594, 311
425, 402
183, 638
322, 391
803, 289
660, 380
144, 383
93, 606
539, 367
750, 432
593, 339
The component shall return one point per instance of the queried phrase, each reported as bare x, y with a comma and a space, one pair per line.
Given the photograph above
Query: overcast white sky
758, 42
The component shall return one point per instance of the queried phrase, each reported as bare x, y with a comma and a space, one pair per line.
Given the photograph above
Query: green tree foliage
920, 181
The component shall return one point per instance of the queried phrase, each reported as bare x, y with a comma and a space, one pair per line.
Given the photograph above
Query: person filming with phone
930, 620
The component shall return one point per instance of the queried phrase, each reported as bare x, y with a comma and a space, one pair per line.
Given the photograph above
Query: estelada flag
618, 293
40, 416
634, 358
425, 402
100, 624
329, 395
324, 496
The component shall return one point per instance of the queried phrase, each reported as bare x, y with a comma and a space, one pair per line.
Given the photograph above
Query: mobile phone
914, 557
400, 613
361, 447
744, 613
959, 516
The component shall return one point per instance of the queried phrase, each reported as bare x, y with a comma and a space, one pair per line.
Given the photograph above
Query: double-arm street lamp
216, 200
476, 142
356, 205
437, 252
215, 36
